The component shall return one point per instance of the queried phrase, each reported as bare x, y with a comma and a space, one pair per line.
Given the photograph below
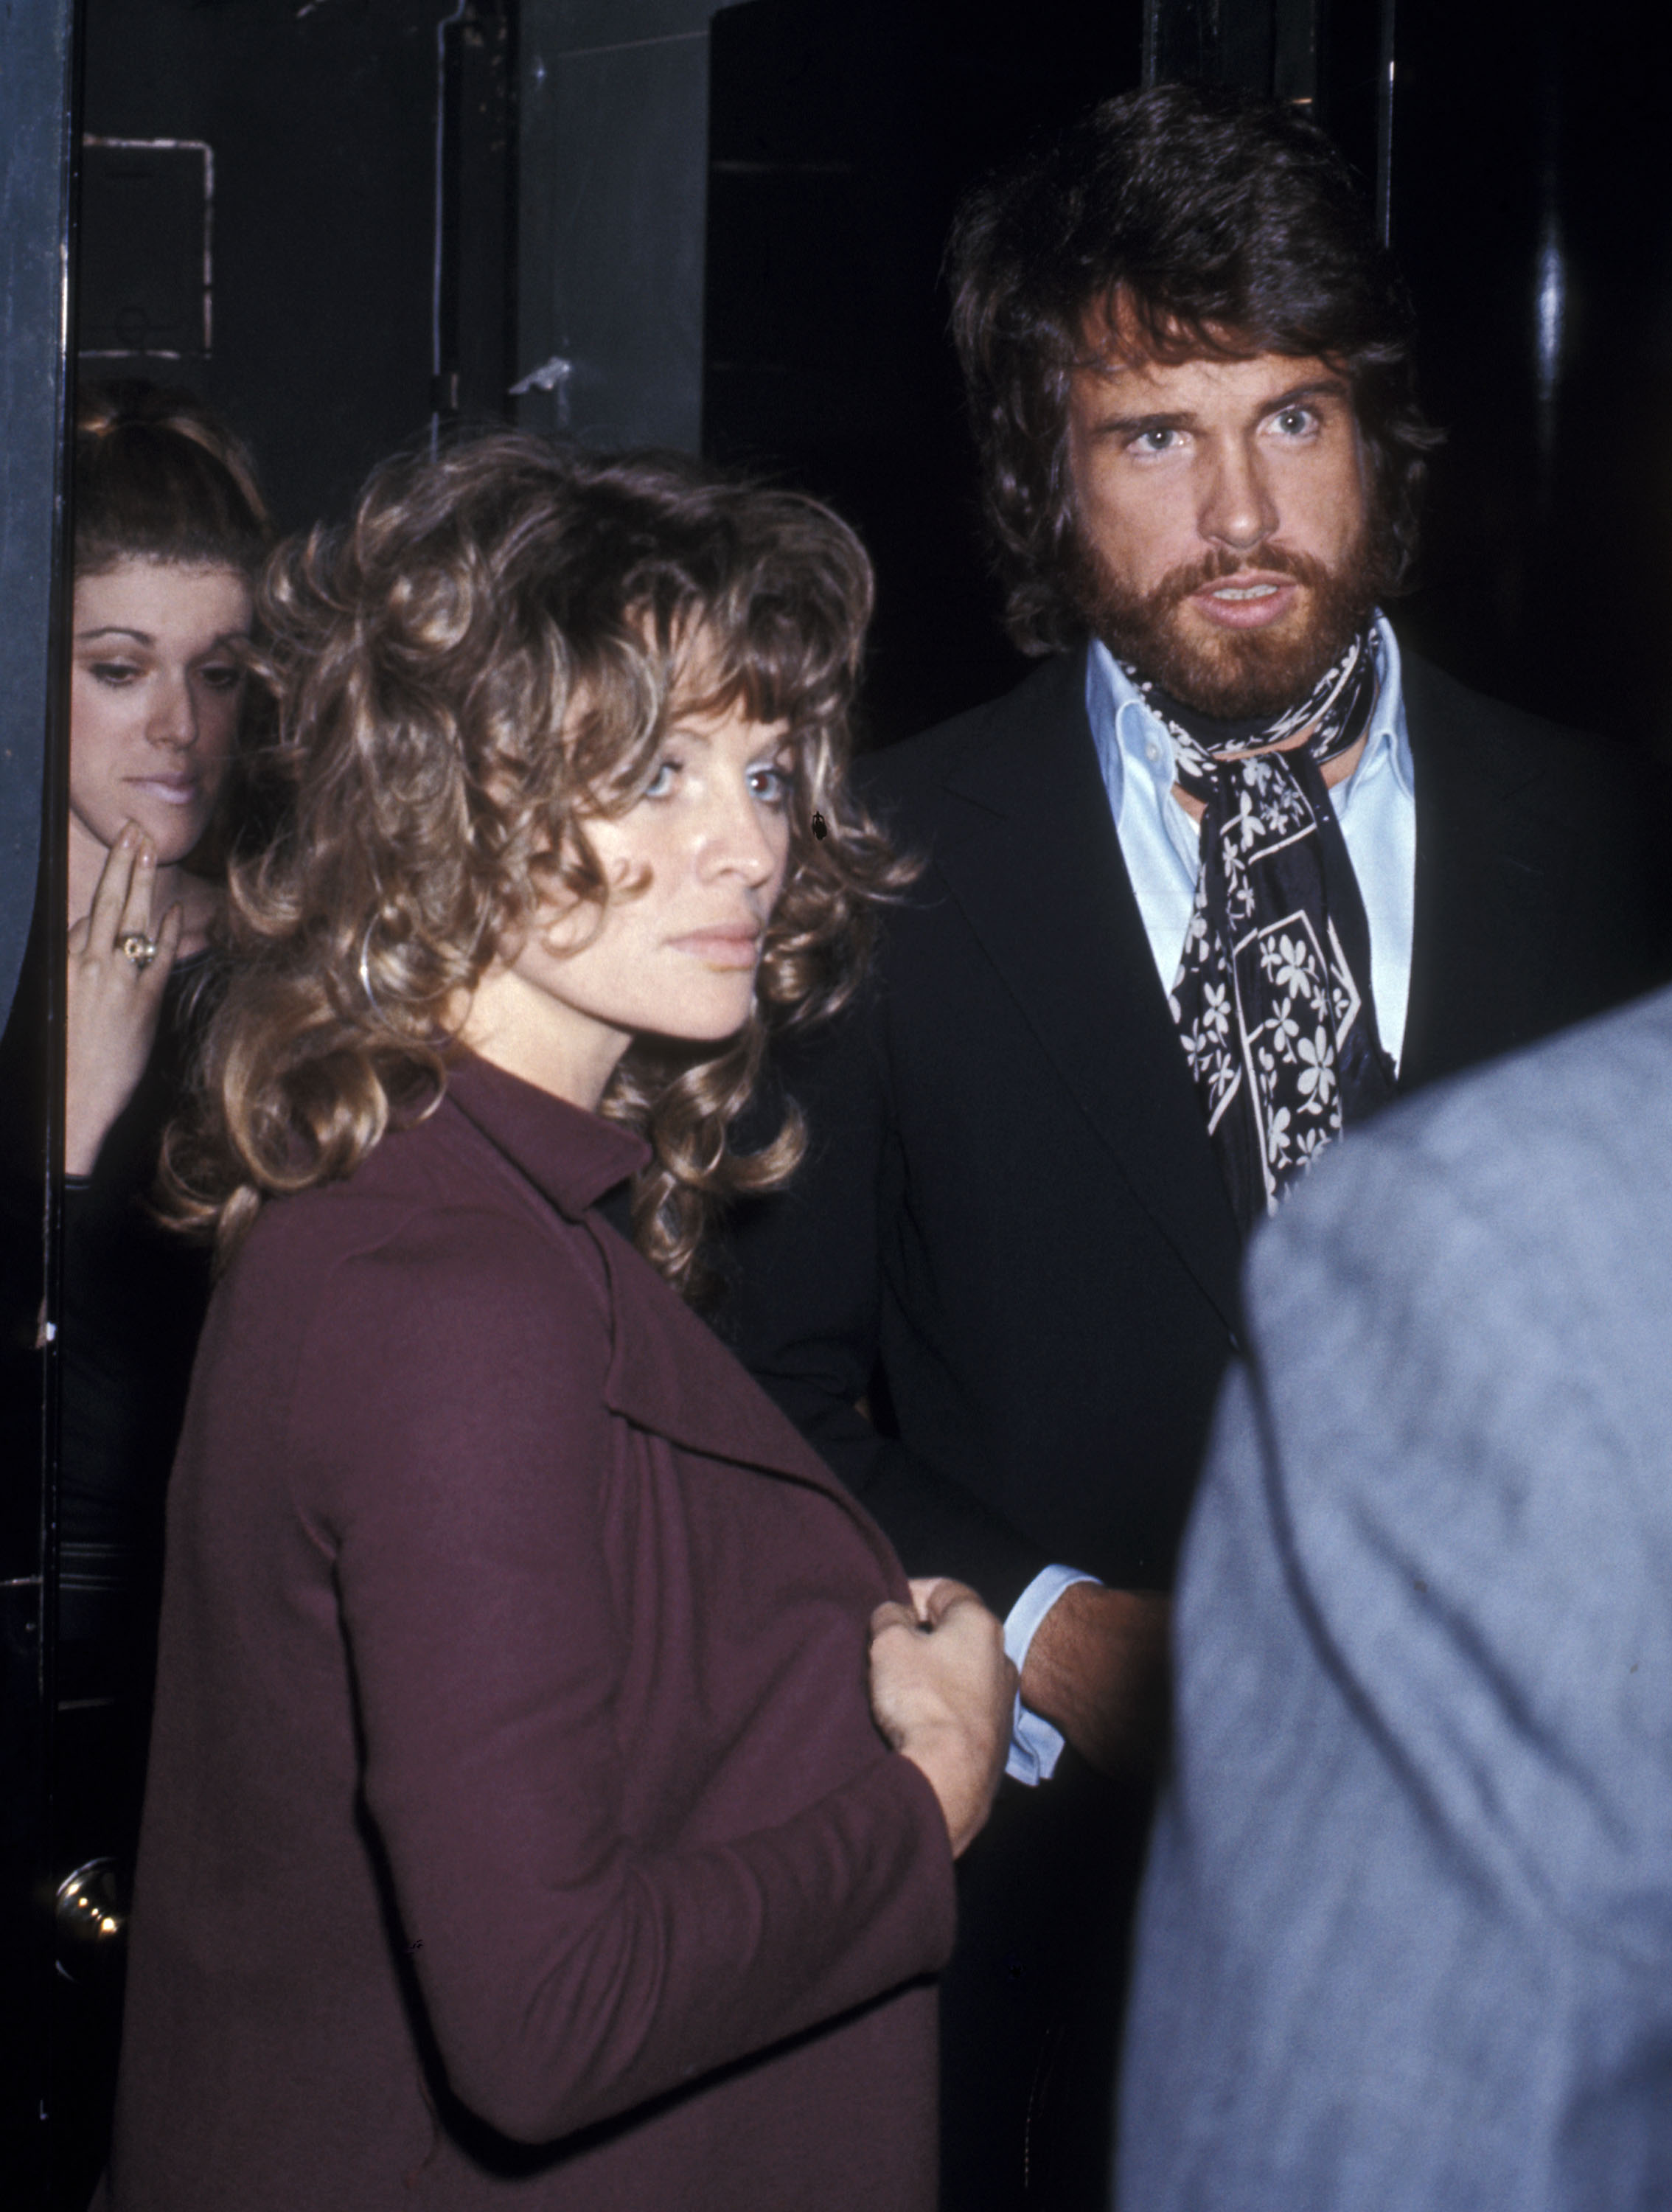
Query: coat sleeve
803, 1311
454, 1454
1407, 1928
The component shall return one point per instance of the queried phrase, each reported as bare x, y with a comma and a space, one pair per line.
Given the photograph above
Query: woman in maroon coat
519, 1830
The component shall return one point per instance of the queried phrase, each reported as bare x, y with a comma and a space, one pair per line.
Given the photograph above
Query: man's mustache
1190, 577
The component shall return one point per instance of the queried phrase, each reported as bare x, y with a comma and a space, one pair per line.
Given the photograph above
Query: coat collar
671, 1373
668, 1372
571, 1156
1028, 849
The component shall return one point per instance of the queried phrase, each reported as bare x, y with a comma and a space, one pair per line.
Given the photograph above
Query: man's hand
1097, 1668
942, 1690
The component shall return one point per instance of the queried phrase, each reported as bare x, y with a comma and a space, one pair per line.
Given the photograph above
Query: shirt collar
570, 1156
1133, 740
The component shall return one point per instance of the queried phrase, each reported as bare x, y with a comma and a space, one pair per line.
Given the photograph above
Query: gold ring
141, 950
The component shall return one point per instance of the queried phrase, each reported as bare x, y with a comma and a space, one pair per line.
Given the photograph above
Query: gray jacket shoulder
1568, 1141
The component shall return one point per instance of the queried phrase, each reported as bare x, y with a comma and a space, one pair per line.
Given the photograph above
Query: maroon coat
513, 1777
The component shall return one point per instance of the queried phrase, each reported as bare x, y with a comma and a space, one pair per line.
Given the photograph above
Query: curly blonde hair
489, 656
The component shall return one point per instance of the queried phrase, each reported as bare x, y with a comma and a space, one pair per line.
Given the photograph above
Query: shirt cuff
1035, 1745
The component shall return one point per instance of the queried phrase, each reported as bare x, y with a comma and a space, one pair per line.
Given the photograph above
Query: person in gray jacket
1406, 1938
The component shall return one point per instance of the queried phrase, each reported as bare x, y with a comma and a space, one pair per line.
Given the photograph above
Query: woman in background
519, 1830
169, 531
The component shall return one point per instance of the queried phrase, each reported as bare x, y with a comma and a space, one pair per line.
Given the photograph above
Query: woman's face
154, 695
695, 868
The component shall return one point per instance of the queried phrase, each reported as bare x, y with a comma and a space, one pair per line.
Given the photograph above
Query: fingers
121, 905
115, 888
168, 944
934, 1596
892, 1615
141, 885
945, 1700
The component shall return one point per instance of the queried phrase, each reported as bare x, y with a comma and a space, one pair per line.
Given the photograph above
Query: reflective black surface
1531, 212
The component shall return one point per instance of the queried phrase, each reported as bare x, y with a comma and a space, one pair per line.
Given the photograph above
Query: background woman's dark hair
1201, 221
159, 478
491, 655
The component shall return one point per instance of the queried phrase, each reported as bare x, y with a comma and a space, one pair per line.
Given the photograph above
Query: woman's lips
1246, 602
721, 948
172, 790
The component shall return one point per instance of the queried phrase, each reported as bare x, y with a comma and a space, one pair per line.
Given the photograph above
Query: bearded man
1225, 874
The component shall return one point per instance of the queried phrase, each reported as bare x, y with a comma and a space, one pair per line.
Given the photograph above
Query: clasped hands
942, 1693
943, 1690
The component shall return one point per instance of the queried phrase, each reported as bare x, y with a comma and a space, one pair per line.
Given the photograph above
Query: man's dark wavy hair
1205, 223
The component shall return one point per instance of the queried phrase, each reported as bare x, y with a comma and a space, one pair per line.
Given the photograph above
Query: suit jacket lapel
1492, 886
1030, 851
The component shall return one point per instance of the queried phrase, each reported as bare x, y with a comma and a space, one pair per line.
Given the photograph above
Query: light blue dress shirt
1161, 845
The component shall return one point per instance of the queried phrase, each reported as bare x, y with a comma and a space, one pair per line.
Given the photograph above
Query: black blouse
133, 1300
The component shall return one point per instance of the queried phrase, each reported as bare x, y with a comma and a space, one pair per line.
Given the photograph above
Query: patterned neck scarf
1273, 999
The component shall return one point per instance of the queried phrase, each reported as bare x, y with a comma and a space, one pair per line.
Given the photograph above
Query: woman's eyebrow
144, 637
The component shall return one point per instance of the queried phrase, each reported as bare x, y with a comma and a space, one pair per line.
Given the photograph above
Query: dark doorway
1530, 213
841, 139
354, 297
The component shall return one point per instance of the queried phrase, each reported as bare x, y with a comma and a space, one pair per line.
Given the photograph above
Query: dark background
1533, 210
323, 123
1520, 162
733, 234
841, 138
1522, 170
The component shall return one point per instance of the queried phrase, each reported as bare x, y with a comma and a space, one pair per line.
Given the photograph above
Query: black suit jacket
1010, 1238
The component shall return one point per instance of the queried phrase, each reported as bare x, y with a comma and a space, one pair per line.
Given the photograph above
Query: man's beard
1234, 675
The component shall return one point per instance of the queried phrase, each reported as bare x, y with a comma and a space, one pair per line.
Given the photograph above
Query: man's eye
1154, 441
1293, 421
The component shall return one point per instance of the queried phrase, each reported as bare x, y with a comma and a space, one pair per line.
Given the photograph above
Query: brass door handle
88, 1908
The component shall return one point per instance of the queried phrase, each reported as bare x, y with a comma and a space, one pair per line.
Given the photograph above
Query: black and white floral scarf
1273, 998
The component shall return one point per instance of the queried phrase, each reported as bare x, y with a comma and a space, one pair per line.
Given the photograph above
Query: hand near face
942, 1691
112, 1002
156, 687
